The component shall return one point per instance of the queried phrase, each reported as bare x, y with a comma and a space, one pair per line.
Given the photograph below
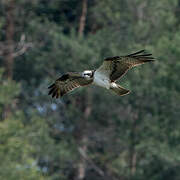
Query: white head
87, 74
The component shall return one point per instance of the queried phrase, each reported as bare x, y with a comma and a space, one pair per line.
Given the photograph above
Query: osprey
105, 76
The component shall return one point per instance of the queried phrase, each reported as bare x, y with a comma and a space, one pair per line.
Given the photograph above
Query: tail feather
116, 88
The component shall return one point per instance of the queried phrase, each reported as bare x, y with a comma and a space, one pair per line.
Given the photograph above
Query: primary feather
116, 67
105, 76
67, 83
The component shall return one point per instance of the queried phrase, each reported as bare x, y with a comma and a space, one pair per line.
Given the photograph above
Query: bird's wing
66, 83
116, 67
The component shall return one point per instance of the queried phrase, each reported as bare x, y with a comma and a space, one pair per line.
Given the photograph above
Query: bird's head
88, 74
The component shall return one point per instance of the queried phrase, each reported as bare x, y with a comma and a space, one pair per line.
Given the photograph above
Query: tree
90, 133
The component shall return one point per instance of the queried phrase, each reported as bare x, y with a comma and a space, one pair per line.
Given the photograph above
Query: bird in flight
105, 76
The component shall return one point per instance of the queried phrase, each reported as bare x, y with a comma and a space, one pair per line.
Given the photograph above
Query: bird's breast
101, 79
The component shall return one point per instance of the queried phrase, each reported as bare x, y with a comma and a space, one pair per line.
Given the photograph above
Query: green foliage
16, 157
132, 137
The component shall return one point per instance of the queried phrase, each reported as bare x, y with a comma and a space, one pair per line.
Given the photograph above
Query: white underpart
100, 79
87, 71
114, 85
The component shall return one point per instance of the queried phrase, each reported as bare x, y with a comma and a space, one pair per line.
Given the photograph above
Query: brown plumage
67, 83
117, 66
105, 76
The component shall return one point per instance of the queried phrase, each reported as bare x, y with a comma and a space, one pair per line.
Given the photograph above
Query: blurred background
89, 134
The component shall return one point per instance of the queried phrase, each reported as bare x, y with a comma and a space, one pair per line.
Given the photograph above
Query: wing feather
67, 83
116, 67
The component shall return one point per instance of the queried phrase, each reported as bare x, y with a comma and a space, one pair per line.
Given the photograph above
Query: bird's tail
116, 88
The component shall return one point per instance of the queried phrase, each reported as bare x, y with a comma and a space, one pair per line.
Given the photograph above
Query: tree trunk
132, 150
82, 21
8, 54
83, 137
133, 161
82, 133
81, 169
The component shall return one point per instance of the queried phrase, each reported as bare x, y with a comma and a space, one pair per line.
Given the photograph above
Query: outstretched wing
116, 67
66, 83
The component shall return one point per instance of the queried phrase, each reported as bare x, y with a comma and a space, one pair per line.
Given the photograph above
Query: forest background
89, 134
